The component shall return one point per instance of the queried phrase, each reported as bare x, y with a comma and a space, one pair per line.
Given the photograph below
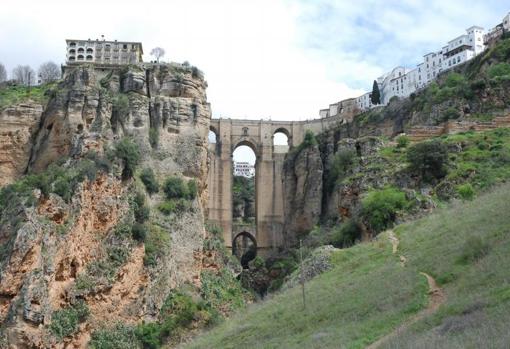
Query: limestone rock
18, 126
303, 191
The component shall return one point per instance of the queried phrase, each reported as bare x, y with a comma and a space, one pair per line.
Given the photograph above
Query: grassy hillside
370, 292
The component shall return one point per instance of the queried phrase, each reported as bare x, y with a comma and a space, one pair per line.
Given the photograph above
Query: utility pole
302, 272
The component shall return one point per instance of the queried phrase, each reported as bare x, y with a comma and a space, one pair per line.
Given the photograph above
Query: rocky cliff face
303, 188
18, 126
58, 253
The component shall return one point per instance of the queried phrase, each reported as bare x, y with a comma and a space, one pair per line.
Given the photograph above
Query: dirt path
437, 297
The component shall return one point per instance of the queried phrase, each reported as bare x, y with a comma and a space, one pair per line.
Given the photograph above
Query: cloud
268, 58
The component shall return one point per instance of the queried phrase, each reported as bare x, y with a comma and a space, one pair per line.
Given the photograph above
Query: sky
264, 59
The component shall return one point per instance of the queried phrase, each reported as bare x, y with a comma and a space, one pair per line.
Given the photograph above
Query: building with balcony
103, 52
244, 169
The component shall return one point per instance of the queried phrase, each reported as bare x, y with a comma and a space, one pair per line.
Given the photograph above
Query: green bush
466, 191
149, 180
221, 290
118, 337
474, 249
168, 207
178, 311
451, 114
127, 150
402, 141
65, 322
149, 334
309, 139
379, 207
498, 70
120, 103
192, 189
175, 188
139, 232
346, 234
140, 210
341, 164
156, 243
429, 159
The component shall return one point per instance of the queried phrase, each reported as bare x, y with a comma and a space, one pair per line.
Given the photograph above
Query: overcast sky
266, 58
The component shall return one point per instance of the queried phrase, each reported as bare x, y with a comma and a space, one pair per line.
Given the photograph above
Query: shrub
402, 141
451, 113
149, 334
139, 232
192, 189
156, 243
65, 322
380, 207
140, 210
175, 188
429, 158
309, 139
118, 337
63, 188
346, 234
221, 290
341, 164
474, 249
120, 103
498, 70
466, 191
149, 180
128, 152
168, 207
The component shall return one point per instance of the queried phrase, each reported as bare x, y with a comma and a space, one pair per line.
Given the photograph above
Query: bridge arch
269, 207
244, 247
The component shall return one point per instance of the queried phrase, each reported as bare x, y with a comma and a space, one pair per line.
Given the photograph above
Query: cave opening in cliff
244, 215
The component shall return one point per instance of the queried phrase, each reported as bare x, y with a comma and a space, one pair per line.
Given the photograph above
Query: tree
429, 159
24, 75
158, 52
49, 72
3, 73
375, 97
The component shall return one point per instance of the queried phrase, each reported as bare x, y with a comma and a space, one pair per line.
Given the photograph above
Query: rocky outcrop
18, 126
303, 188
47, 247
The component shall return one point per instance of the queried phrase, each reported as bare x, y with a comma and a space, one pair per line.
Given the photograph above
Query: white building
401, 81
244, 169
103, 52
506, 22
364, 102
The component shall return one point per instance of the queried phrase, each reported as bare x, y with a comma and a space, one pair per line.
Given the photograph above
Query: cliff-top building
402, 82
103, 52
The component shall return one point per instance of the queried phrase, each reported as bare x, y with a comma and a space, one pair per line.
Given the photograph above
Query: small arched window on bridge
212, 137
280, 142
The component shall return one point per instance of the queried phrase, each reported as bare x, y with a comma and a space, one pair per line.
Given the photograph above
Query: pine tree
375, 97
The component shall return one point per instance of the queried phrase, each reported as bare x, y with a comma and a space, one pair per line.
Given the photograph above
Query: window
125, 46
72, 44
89, 50
72, 51
81, 50
80, 57
89, 58
71, 58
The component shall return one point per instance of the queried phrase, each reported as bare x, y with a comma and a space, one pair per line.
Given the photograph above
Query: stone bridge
269, 198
